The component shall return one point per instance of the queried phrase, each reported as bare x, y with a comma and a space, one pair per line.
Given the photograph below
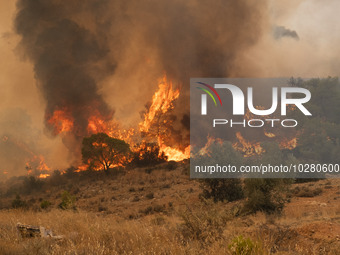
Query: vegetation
109, 220
67, 201
222, 189
243, 246
148, 154
267, 195
101, 150
19, 203
45, 204
318, 141
205, 225
134, 212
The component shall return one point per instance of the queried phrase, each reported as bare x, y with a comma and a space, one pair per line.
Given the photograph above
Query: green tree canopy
101, 150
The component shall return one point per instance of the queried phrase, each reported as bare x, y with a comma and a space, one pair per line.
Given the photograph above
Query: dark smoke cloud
74, 45
65, 55
281, 31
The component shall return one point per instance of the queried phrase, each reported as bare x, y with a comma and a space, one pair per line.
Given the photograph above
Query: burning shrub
101, 151
148, 154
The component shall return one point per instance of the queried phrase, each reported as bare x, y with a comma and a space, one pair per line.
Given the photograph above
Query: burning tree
148, 154
101, 151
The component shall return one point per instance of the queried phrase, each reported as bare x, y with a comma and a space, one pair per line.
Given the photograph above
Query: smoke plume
66, 56
281, 31
86, 54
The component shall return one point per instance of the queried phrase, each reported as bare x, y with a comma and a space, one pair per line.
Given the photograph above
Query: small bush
135, 199
150, 195
102, 208
32, 183
265, 195
206, 224
306, 192
159, 220
222, 189
171, 165
18, 203
147, 154
149, 170
147, 210
67, 201
166, 186
56, 178
45, 204
158, 208
152, 209
241, 246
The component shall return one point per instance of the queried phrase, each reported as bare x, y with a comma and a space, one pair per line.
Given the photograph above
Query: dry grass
110, 220
87, 233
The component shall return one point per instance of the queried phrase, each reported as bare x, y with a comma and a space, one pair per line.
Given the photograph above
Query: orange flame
288, 144
162, 102
43, 176
206, 149
270, 135
37, 163
247, 148
175, 154
61, 121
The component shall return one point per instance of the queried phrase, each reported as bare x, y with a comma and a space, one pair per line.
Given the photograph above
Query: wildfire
37, 163
82, 167
250, 149
43, 176
174, 154
34, 163
247, 148
205, 150
61, 121
288, 144
163, 102
270, 135
96, 125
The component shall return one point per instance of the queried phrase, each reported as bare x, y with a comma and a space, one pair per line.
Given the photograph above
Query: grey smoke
281, 31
